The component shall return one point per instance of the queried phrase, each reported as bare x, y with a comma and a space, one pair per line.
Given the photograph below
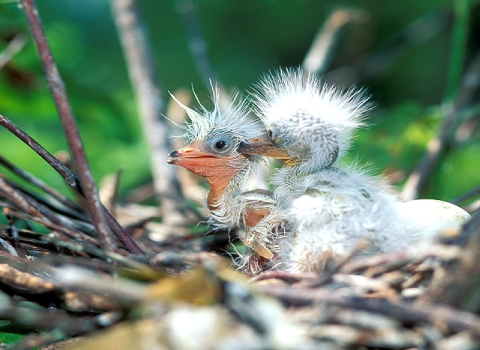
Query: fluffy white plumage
302, 112
232, 119
215, 135
325, 209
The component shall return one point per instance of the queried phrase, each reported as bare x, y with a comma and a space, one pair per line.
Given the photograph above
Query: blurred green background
399, 50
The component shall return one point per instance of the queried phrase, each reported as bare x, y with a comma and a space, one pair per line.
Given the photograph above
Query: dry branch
414, 35
402, 311
461, 281
472, 193
151, 106
59, 93
67, 175
15, 45
198, 46
436, 147
39, 183
321, 50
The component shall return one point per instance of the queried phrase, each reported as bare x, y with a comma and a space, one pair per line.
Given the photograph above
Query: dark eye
220, 145
272, 134
222, 142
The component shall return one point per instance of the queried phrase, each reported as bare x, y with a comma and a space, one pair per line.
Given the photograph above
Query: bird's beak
188, 155
200, 161
196, 157
262, 145
218, 170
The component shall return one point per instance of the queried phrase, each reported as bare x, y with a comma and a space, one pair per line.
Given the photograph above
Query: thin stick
461, 281
397, 46
71, 180
196, 43
418, 178
198, 49
66, 173
39, 183
319, 55
409, 312
12, 49
151, 105
468, 195
50, 319
78, 236
457, 49
452, 113
70, 128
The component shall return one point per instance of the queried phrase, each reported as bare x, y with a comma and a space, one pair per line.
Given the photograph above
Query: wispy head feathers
232, 118
314, 120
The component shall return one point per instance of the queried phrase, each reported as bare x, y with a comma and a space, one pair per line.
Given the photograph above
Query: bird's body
323, 208
212, 153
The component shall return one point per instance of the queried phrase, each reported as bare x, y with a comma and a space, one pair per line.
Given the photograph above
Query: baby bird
212, 153
324, 209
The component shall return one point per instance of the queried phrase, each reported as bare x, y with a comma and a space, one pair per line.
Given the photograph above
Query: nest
73, 277
57, 279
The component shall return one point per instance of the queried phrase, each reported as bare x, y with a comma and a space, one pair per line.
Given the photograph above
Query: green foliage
244, 40
13, 332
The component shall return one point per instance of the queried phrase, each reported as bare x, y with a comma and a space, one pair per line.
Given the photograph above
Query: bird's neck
223, 199
293, 182
218, 190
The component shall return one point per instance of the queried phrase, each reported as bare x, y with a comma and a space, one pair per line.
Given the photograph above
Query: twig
151, 107
66, 173
452, 111
33, 341
327, 275
71, 180
18, 200
384, 337
70, 128
50, 319
407, 312
109, 190
198, 46
17, 43
15, 237
287, 277
473, 207
71, 232
414, 34
418, 178
388, 261
459, 287
79, 279
469, 194
40, 184
457, 48
319, 55
31, 205
24, 280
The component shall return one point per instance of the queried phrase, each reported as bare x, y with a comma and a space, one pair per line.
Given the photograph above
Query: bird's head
309, 124
214, 139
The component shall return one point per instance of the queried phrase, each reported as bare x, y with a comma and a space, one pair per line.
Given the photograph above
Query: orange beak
263, 146
218, 170
200, 161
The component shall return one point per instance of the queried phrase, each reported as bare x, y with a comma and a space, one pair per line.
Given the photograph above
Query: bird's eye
219, 145
222, 142
273, 135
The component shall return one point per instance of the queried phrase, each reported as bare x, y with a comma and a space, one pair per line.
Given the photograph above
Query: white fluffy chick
212, 153
321, 209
